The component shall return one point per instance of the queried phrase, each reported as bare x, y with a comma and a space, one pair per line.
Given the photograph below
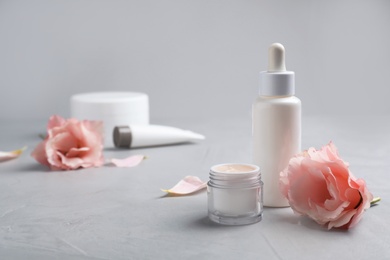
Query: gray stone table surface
121, 213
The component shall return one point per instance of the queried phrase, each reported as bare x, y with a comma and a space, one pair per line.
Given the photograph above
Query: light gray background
194, 58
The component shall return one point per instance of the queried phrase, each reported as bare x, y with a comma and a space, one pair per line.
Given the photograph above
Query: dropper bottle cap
277, 81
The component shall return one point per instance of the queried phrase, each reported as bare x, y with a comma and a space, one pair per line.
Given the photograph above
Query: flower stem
375, 201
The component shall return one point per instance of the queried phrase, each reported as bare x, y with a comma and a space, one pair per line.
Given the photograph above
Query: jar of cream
235, 194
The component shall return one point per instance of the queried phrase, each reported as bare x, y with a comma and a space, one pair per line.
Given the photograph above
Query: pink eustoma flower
71, 144
318, 184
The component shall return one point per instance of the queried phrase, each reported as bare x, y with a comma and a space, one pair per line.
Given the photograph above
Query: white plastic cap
277, 81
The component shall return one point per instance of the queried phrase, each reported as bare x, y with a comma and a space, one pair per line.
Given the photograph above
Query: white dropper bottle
276, 124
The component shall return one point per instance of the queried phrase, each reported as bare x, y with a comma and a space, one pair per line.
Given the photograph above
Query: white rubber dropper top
276, 81
276, 58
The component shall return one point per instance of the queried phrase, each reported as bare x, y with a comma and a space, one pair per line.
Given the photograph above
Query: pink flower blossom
318, 184
71, 144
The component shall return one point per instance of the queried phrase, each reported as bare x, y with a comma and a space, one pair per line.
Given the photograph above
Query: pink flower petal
131, 161
344, 218
63, 142
70, 163
55, 121
39, 153
95, 125
76, 152
188, 185
5, 156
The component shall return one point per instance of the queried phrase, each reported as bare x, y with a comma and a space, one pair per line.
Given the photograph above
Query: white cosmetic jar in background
113, 108
235, 194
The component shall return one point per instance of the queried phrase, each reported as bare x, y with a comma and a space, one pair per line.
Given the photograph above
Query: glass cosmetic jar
235, 194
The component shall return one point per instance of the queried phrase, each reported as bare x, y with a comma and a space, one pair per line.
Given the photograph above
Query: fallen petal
5, 156
131, 161
188, 185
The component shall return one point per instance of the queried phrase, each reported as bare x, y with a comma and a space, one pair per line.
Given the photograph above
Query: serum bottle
276, 124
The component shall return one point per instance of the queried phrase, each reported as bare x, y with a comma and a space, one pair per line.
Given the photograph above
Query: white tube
152, 135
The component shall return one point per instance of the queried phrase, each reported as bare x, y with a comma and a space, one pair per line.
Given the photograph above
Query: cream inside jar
235, 194
234, 168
